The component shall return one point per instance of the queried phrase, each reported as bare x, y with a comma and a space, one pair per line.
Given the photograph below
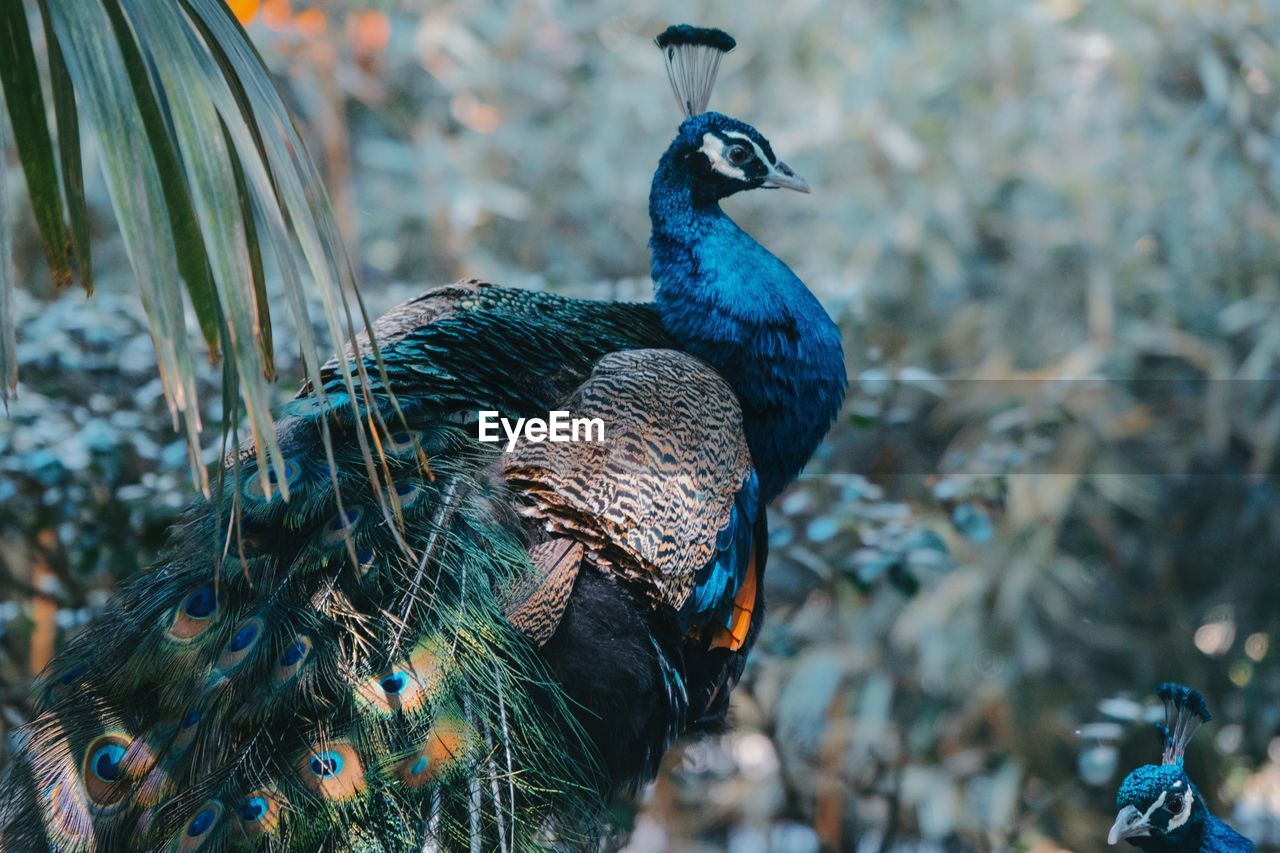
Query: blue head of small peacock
1157, 801
1159, 805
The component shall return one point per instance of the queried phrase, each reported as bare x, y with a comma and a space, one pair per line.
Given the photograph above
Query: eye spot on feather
295, 652
244, 637
442, 753
201, 823
253, 483
407, 492
201, 604
310, 407
326, 764
241, 645
365, 561
252, 809
105, 762
201, 826
408, 686
187, 729
333, 771
102, 773
258, 813
54, 687
193, 615
292, 658
345, 519
402, 443
342, 524
391, 693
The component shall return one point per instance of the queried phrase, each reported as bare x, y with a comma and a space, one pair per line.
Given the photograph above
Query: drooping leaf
68, 126
289, 198
193, 259
190, 81
134, 185
210, 183
20, 77
8, 330
256, 267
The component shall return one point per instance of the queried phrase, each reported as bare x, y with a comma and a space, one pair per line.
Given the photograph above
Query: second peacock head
1158, 803
714, 154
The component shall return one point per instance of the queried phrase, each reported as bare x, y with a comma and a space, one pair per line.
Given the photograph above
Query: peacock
437, 643
1160, 807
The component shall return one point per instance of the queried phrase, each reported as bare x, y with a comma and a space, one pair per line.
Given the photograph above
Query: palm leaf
25, 99
8, 339
209, 183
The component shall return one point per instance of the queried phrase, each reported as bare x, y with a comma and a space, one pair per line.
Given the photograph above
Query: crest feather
1184, 711
693, 57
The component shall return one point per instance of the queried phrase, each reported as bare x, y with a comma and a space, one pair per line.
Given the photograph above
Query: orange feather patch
744, 603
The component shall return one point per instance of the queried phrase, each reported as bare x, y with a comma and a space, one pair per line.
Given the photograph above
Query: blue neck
734, 305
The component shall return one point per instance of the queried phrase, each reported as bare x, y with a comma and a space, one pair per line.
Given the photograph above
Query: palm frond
209, 183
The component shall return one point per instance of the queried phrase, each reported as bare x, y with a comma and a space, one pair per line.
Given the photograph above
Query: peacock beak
1130, 823
783, 176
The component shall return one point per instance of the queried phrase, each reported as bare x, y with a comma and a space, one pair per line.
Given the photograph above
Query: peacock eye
738, 154
1174, 803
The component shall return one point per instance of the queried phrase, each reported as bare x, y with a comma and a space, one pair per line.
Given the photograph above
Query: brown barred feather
648, 500
535, 606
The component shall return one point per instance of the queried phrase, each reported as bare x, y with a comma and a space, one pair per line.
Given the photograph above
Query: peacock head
720, 156
713, 154
1158, 801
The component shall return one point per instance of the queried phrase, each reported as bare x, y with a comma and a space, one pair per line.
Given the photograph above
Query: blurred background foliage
1051, 232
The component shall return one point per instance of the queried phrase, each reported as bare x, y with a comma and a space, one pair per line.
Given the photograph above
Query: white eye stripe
1157, 804
759, 151
713, 146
